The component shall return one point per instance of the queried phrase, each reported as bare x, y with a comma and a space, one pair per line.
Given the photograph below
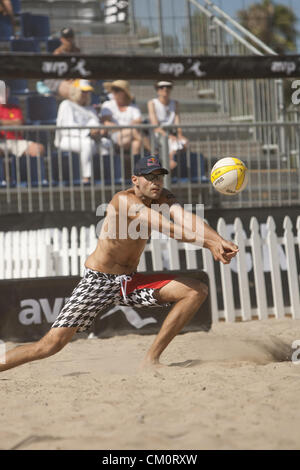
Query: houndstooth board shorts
97, 290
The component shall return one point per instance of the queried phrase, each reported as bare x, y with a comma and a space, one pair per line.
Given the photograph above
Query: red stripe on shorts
148, 281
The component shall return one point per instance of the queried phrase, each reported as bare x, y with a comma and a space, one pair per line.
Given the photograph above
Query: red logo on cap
152, 161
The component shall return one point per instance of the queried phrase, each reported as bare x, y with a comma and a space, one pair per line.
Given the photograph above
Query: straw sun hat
122, 84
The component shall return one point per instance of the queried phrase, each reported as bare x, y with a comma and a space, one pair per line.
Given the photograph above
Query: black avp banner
29, 307
41, 66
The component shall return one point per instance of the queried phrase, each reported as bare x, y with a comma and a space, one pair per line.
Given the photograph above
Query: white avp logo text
32, 310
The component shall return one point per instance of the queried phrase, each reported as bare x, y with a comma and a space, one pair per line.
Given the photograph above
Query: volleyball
229, 176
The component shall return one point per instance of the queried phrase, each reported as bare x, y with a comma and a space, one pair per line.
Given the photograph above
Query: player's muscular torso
117, 252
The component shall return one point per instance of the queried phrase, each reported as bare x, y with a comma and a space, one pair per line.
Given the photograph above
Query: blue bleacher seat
35, 26
198, 162
18, 86
2, 173
52, 44
107, 177
62, 169
36, 169
24, 45
16, 4
6, 29
41, 110
181, 171
8, 179
196, 173
13, 101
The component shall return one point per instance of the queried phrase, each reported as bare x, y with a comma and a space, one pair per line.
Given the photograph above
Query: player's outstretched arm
200, 232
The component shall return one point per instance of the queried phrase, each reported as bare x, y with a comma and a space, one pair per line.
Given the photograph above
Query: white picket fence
60, 252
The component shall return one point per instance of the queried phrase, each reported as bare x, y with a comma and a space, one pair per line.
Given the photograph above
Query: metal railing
205, 29
53, 181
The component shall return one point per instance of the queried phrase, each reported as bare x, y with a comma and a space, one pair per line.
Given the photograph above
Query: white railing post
293, 280
156, 254
243, 278
74, 252
32, 248
259, 276
8, 255
41, 254
275, 268
24, 254
190, 256
229, 309
173, 249
82, 248
16, 271
208, 265
65, 252
57, 262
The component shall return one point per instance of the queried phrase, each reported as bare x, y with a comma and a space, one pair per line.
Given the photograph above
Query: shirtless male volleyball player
110, 271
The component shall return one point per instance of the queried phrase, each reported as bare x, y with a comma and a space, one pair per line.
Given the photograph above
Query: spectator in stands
60, 88
6, 9
165, 111
77, 112
13, 141
68, 46
121, 111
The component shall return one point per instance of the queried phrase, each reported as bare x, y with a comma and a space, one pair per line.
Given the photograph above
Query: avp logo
196, 69
58, 67
32, 310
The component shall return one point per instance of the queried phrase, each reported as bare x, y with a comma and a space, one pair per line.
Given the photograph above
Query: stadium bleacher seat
8, 174
18, 86
35, 26
2, 173
16, 4
6, 29
196, 174
13, 101
107, 176
24, 45
52, 44
65, 168
41, 110
198, 168
36, 175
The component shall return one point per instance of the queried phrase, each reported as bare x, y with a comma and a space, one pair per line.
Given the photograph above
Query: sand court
232, 388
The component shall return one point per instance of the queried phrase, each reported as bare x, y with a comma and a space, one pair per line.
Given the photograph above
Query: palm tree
273, 23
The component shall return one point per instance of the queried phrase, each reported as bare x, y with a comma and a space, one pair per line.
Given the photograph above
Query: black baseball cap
67, 33
146, 165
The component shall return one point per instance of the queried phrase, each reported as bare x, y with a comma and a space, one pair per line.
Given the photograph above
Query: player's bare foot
151, 364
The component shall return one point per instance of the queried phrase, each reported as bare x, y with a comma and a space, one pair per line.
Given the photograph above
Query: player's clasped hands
223, 250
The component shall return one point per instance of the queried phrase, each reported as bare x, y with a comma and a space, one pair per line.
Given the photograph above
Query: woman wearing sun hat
121, 111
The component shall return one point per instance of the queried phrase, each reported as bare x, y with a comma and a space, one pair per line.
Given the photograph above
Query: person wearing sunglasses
111, 276
165, 111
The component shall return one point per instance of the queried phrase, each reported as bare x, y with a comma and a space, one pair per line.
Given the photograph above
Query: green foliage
274, 24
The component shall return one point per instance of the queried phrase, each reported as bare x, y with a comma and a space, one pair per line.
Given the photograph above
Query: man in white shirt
77, 112
121, 112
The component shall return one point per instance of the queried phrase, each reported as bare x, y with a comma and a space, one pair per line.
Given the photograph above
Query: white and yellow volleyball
229, 176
